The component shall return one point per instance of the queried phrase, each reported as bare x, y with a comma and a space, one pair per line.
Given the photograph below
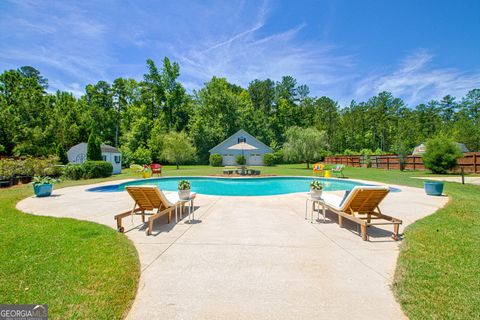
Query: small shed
253, 157
78, 155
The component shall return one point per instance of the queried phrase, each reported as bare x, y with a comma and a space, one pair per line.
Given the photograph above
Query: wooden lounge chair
149, 198
361, 206
338, 170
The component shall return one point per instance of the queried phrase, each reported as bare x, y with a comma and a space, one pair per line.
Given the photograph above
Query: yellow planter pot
328, 174
147, 174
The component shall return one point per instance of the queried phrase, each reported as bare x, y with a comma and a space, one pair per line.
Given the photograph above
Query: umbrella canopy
420, 149
242, 146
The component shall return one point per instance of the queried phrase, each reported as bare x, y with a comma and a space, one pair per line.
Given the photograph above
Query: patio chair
156, 169
338, 170
149, 198
318, 167
361, 205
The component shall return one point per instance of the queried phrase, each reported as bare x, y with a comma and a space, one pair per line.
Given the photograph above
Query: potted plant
184, 189
316, 189
43, 186
433, 188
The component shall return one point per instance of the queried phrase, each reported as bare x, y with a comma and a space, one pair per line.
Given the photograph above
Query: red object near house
156, 169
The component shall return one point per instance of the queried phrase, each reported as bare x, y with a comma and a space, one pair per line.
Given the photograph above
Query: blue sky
418, 50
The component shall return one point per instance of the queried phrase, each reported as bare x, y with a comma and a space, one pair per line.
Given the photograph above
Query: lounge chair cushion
347, 192
339, 203
332, 200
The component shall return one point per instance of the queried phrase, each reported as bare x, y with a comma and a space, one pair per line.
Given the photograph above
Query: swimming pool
237, 186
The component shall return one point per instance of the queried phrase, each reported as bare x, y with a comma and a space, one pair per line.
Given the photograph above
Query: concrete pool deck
253, 257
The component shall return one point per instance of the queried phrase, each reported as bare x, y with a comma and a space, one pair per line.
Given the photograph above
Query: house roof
245, 133
104, 147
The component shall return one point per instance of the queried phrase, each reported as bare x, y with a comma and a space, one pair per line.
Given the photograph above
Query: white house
253, 157
78, 155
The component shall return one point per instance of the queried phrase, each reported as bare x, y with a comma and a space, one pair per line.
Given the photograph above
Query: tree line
137, 116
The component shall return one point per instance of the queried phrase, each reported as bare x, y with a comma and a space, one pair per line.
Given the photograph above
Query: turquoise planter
43, 190
434, 188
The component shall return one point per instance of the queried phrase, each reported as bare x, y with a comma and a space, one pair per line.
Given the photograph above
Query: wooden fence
470, 162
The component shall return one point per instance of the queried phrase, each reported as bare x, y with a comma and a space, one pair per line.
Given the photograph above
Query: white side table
315, 201
191, 212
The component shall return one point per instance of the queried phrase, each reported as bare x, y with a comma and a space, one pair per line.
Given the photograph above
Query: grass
82, 270
85, 270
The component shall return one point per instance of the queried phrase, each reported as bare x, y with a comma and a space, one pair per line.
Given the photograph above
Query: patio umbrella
420, 149
242, 146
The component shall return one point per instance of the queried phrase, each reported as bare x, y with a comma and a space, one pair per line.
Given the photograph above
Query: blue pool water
237, 186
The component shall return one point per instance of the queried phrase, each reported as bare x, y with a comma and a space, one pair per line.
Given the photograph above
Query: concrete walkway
458, 179
254, 257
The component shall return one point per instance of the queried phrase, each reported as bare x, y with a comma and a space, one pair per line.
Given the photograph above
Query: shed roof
104, 147
109, 148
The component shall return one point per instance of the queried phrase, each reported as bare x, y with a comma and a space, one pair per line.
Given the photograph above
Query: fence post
475, 163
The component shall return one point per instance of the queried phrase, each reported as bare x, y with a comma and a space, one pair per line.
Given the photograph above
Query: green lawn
85, 270
82, 270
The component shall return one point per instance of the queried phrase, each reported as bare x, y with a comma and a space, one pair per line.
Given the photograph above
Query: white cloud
416, 82
246, 55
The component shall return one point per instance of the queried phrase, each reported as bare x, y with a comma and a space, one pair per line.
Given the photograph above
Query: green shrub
241, 160
278, 157
30, 166
127, 156
62, 154
142, 156
441, 155
215, 160
97, 169
54, 171
269, 159
349, 152
73, 171
7, 168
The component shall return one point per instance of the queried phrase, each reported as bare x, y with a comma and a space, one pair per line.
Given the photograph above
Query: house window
242, 139
104, 158
118, 159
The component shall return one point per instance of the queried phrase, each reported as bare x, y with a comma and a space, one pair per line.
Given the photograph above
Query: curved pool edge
113, 188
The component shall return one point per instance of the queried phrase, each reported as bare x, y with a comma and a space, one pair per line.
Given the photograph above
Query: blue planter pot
43, 190
434, 188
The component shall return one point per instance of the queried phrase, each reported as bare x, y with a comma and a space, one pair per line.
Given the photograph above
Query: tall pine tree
94, 151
